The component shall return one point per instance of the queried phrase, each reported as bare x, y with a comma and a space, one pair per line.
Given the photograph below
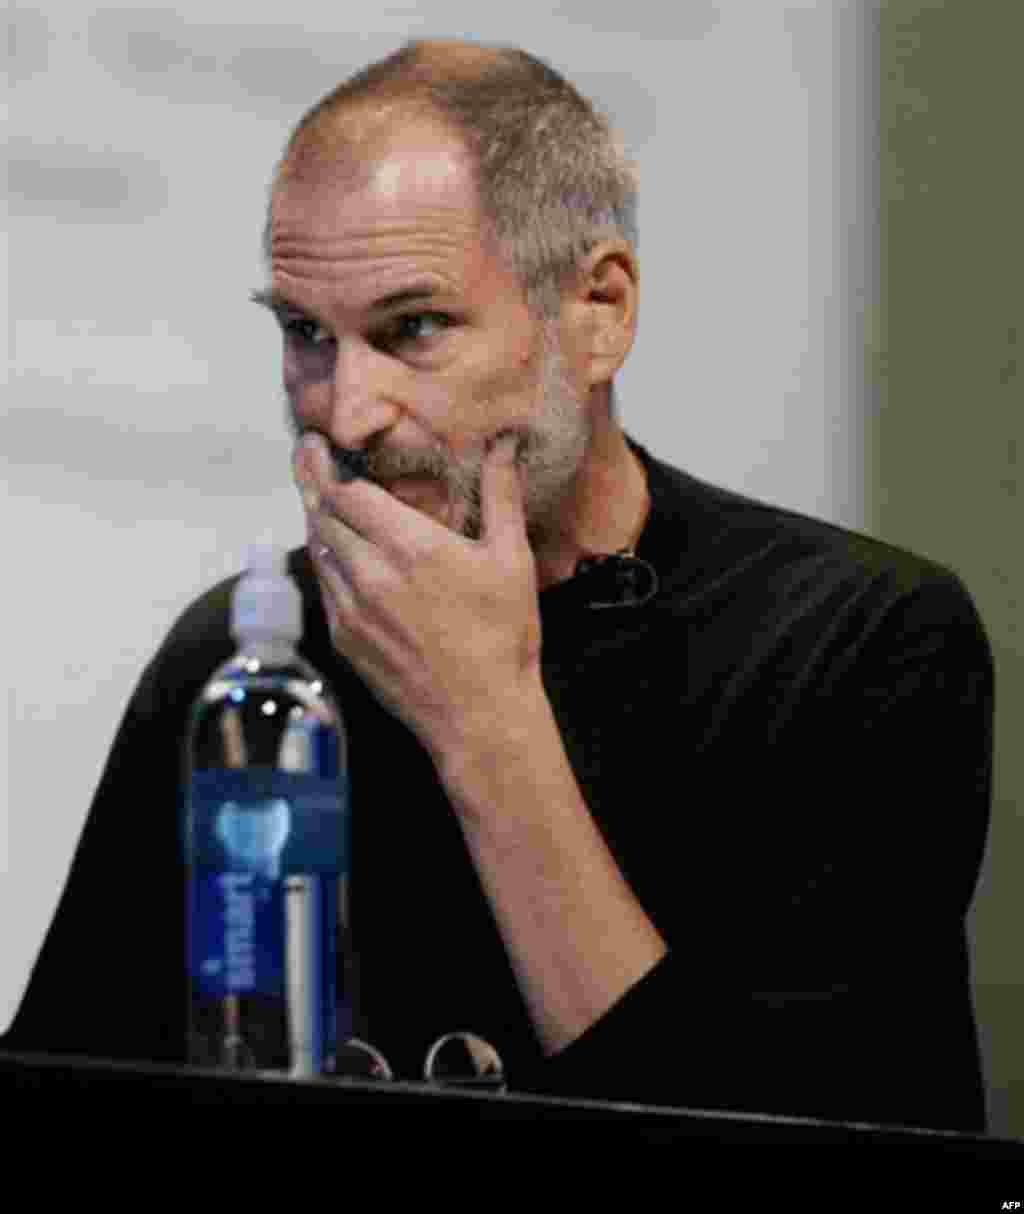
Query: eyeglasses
461, 1060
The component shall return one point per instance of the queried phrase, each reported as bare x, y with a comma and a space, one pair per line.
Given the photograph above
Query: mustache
373, 463
378, 463
381, 464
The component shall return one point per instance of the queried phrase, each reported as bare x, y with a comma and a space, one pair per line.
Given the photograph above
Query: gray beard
551, 449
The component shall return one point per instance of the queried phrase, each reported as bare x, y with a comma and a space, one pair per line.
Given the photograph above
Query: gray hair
552, 176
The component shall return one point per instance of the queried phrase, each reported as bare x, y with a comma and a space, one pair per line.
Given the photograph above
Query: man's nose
363, 394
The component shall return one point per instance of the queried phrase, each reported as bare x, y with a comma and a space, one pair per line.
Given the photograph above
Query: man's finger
310, 462
330, 572
501, 492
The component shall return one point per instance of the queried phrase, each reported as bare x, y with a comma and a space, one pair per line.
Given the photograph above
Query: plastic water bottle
268, 947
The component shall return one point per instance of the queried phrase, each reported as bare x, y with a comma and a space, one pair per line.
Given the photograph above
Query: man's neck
606, 511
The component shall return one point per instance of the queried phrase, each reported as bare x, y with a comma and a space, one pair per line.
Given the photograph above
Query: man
708, 844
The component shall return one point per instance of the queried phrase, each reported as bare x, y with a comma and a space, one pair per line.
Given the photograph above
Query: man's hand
445, 630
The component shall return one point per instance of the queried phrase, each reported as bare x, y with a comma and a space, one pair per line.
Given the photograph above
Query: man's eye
305, 330
420, 326
416, 326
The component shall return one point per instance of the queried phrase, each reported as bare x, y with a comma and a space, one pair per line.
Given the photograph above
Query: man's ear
600, 310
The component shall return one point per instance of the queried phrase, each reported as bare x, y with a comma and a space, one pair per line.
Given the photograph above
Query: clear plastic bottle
268, 948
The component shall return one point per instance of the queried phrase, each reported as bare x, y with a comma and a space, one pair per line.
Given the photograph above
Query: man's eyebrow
278, 301
269, 298
410, 295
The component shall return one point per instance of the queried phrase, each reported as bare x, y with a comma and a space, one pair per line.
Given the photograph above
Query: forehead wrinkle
319, 234
427, 261
442, 256
452, 250
360, 290
325, 246
380, 288
442, 222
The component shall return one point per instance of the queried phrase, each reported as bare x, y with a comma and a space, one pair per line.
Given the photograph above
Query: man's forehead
410, 208
431, 171
353, 154
426, 182
389, 220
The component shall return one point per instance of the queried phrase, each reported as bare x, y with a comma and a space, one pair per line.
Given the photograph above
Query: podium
370, 1109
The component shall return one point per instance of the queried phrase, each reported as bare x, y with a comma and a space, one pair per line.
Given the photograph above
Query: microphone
615, 579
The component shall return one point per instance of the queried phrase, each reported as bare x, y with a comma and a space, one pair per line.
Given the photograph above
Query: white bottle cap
266, 602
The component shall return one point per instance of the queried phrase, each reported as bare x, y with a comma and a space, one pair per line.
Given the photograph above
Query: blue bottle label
236, 939
268, 821
267, 853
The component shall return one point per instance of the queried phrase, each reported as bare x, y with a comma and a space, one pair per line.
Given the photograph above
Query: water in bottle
268, 949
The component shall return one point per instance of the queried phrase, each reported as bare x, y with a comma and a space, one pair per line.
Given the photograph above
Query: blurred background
831, 314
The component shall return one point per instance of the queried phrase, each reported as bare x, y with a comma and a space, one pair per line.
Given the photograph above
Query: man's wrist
576, 935
483, 752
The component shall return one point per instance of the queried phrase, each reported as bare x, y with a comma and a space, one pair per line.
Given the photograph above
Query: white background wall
143, 433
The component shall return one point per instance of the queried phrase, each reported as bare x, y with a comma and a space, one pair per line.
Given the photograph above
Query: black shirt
788, 750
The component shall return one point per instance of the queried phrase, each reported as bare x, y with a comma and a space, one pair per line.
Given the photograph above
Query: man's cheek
437, 407
504, 399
